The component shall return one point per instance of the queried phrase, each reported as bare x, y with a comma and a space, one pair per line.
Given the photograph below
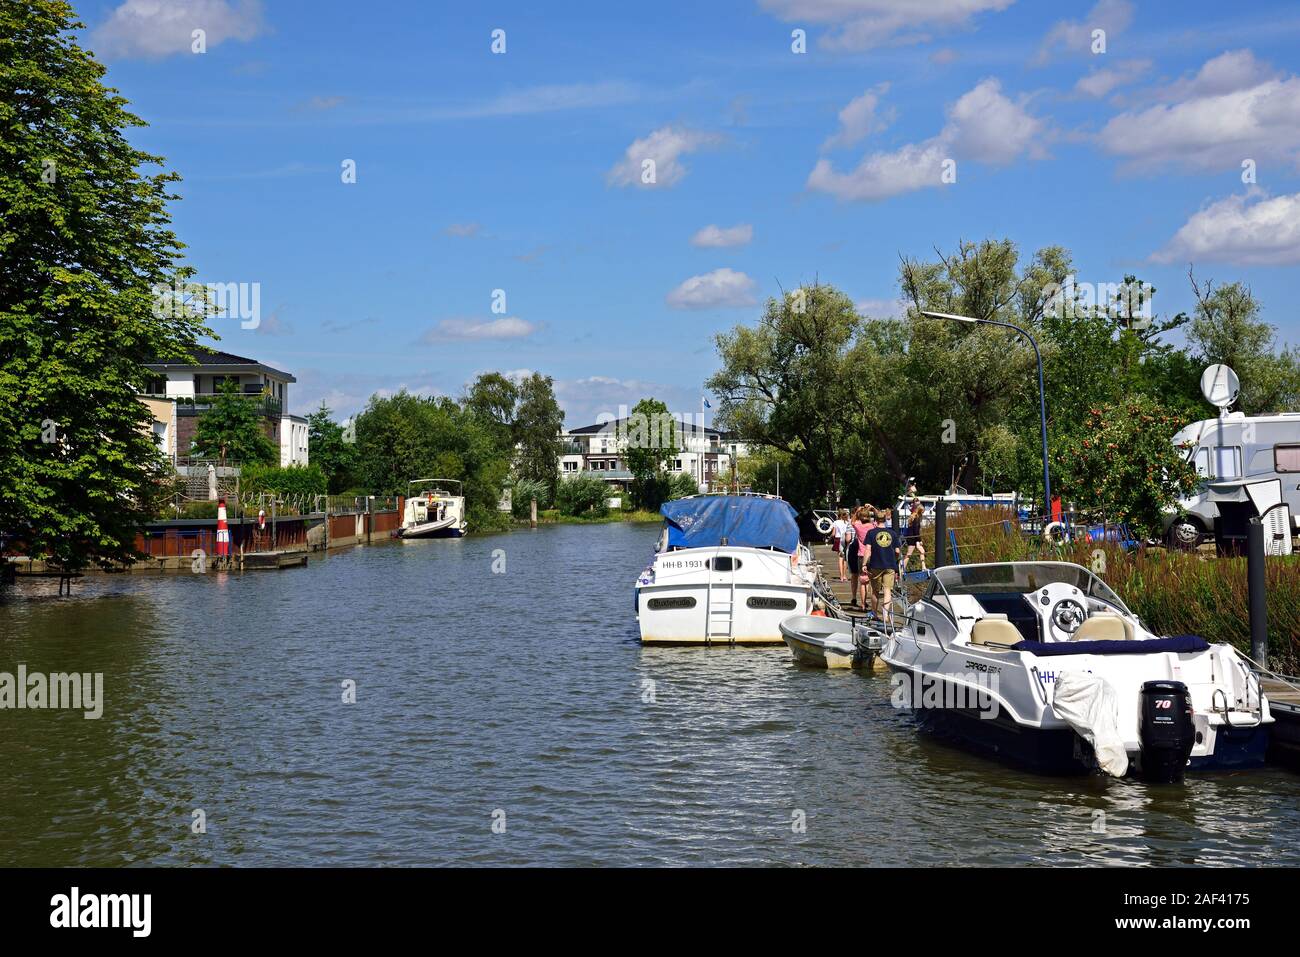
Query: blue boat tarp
1183, 644
739, 520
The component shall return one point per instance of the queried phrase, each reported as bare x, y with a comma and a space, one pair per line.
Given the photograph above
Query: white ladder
720, 610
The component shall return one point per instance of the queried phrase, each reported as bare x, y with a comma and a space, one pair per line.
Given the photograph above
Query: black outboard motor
1165, 730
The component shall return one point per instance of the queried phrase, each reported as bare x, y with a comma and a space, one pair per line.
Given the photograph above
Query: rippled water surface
523, 695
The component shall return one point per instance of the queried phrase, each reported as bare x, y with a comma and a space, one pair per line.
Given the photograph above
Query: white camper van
1229, 453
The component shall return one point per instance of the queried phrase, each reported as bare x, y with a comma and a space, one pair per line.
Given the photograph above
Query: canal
505, 714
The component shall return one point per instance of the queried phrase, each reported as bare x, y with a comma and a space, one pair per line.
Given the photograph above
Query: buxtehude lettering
132, 911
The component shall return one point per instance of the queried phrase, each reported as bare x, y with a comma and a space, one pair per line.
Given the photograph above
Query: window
1202, 462
725, 563
1286, 458
570, 466
677, 465
1227, 462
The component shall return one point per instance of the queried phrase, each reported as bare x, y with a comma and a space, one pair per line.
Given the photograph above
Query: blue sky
522, 171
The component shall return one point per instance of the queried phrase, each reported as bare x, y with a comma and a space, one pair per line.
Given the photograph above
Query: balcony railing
201, 402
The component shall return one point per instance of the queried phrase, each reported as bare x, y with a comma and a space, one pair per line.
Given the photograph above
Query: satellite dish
1220, 386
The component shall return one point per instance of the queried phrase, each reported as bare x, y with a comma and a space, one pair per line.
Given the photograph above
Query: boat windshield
1022, 577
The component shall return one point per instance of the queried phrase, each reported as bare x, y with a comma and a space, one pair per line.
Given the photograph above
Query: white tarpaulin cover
1089, 705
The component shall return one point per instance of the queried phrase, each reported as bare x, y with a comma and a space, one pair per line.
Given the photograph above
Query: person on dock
913, 537
841, 535
882, 568
864, 522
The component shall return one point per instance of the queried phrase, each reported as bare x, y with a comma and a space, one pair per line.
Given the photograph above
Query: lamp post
1042, 393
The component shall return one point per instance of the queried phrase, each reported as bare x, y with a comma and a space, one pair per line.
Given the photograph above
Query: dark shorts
911, 539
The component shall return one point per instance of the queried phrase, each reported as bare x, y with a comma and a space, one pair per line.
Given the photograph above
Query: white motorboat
728, 569
433, 510
1042, 663
823, 642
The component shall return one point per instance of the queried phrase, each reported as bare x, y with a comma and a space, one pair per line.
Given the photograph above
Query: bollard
1256, 593
532, 513
940, 533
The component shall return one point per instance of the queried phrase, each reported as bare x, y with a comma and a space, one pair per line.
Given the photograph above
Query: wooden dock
1284, 742
279, 559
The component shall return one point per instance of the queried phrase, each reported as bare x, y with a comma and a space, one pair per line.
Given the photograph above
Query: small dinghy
822, 642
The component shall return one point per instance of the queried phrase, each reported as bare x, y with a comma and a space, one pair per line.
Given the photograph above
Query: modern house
600, 450
178, 393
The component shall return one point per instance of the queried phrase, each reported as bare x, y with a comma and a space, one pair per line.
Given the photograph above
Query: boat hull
994, 733
679, 614
434, 530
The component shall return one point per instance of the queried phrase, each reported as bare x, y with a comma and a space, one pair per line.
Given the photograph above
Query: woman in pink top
864, 522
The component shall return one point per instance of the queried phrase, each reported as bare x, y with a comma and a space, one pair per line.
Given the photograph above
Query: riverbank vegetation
85, 239
851, 405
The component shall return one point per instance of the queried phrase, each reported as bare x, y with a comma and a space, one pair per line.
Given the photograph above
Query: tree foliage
231, 430
329, 450
582, 495
853, 405
84, 238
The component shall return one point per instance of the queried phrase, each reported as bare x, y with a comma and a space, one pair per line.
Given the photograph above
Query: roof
743, 521
617, 425
228, 361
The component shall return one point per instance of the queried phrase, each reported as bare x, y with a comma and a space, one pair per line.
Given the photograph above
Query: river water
505, 714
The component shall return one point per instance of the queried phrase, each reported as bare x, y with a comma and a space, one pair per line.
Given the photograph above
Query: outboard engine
1165, 730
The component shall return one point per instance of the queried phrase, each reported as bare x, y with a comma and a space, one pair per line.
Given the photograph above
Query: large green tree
1227, 329
231, 430
84, 239
328, 447
651, 444
538, 421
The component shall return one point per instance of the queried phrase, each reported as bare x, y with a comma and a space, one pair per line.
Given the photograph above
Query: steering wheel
1063, 608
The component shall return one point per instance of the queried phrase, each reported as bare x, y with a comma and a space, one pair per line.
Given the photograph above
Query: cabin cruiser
433, 510
1041, 663
727, 570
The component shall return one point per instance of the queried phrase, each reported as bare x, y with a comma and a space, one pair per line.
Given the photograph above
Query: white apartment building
705, 454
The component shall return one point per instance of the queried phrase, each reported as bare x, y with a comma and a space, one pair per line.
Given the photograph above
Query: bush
296, 480
582, 495
682, 485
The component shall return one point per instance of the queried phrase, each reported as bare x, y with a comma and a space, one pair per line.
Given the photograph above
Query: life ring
1054, 532
823, 525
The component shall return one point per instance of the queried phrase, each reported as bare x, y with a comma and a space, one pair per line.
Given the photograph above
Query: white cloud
507, 327
859, 119
322, 103
152, 29
983, 126
720, 288
463, 230
1075, 36
665, 147
1247, 230
715, 236
880, 308
863, 24
1233, 109
1101, 82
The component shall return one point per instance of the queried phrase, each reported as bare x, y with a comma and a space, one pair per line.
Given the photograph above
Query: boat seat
1104, 626
995, 631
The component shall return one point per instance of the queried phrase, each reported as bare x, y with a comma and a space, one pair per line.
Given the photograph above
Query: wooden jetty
277, 559
1284, 740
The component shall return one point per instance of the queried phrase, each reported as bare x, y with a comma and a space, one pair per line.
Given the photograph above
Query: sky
425, 191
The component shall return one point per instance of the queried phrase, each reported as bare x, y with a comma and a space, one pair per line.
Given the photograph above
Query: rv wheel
1185, 533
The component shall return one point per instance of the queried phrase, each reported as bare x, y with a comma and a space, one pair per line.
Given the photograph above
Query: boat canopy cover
1183, 644
740, 520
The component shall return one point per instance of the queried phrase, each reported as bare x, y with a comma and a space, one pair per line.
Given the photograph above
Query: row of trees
502, 431
851, 405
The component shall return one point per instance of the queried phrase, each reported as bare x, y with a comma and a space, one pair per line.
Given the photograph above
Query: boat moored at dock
823, 642
434, 512
728, 569
1041, 663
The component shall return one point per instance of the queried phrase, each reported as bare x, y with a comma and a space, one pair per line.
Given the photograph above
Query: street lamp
1042, 394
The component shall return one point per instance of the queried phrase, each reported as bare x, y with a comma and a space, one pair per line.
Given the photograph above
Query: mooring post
532, 512
1255, 591
940, 533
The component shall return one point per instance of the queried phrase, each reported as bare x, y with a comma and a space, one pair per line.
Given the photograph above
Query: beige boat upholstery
1104, 626
995, 631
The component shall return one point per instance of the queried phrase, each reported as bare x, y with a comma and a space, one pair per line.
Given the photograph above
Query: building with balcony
705, 454
178, 393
